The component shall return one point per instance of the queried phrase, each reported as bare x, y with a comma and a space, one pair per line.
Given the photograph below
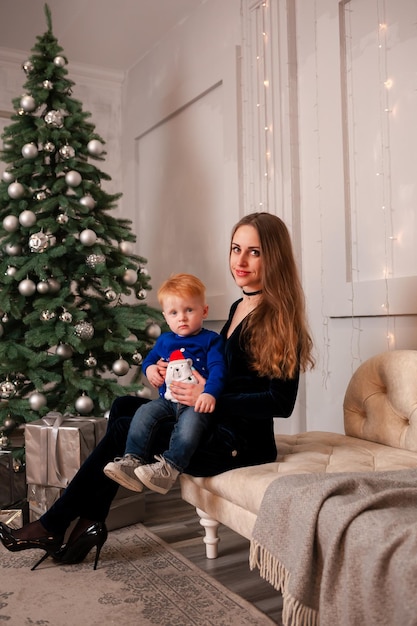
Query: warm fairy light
388, 83
266, 83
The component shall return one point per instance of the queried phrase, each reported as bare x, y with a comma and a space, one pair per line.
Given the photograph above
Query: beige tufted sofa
380, 419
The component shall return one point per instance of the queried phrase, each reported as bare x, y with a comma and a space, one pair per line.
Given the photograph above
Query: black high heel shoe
95, 535
49, 543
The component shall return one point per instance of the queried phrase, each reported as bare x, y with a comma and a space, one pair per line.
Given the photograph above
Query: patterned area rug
140, 581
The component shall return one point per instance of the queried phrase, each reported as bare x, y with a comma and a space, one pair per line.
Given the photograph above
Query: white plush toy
179, 370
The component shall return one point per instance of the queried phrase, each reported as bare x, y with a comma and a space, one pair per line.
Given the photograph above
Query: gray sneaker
121, 470
159, 477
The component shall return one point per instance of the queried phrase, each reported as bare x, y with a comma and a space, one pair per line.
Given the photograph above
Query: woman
267, 344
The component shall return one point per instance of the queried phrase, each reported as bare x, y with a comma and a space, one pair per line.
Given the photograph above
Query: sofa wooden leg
211, 538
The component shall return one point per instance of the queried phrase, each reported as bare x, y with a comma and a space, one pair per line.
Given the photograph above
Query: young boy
182, 298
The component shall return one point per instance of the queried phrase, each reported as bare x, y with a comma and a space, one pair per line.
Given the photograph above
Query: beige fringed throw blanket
342, 548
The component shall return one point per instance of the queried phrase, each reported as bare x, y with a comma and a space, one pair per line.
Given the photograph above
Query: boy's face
184, 315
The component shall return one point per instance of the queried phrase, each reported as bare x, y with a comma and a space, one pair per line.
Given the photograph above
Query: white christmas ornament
28, 103
16, 191
59, 61
88, 237
10, 223
27, 218
54, 285
30, 151
88, 201
37, 400
65, 351
73, 178
145, 392
27, 287
95, 147
153, 331
84, 405
42, 287
7, 176
11, 271
120, 367
13, 249
130, 277
67, 152
126, 247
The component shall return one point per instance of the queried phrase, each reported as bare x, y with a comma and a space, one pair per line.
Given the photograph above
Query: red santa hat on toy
177, 355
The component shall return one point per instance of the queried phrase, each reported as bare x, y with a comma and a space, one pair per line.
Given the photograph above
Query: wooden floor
176, 522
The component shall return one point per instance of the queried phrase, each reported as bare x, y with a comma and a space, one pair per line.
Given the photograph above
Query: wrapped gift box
12, 479
12, 517
56, 446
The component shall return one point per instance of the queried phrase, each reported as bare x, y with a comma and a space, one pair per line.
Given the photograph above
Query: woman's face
245, 258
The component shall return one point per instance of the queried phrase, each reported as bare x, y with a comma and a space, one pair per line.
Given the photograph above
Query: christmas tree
72, 316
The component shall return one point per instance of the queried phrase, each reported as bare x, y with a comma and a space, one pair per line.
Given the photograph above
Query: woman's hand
187, 393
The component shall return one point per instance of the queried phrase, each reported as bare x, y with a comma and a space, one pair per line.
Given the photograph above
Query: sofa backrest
381, 400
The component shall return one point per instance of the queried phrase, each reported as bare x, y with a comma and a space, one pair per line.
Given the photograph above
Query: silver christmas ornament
27, 66
5, 318
42, 287
153, 330
92, 260
145, 392
54, 285
30, 151
73, 178
95, 147
59, 61
10, 223
42, 194
84, 404
11, 271
7, 389
126, 247
38, 242
26, 287
13, 249
120, 367
141, 294
54, 119
7, 176
111, 295
64, 350
49, 147
62, 218
37, 400
88, 237
84, 330
90, 361
67, 152
130, 277
137, 358
28, 103
66, 316
16, 191
47, 315
88, 201
27, 218
47, 84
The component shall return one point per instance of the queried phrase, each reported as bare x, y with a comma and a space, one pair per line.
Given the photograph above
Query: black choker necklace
252, 293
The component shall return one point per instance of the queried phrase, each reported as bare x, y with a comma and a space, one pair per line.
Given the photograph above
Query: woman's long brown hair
276, 331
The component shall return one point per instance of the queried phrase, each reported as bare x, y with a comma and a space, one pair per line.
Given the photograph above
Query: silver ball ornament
153, 330
126, 247
27, 66
130, 277
145, 392
13, 249
10, 223
59, 61
49, 147
62, 218
54, 285
67, 152
137, 358
141, 294
7, 389
16, 191
30, 151
73, 178
47, 84
88, 237
92, 260
38, 242
27, 218
28, 103
95, 147
66, 317
111, 295
90, 361
47, 315
120, 367
88, 201
42, 287
64, 351
7, 176
11, 271
84, 405
84, 330
54, 118
37, 400
27, 287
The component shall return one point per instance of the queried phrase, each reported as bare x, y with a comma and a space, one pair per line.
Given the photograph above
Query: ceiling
111, 34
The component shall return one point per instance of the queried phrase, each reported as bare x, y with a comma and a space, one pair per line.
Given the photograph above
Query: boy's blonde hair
182, 285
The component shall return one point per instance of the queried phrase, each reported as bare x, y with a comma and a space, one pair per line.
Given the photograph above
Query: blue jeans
187, 431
